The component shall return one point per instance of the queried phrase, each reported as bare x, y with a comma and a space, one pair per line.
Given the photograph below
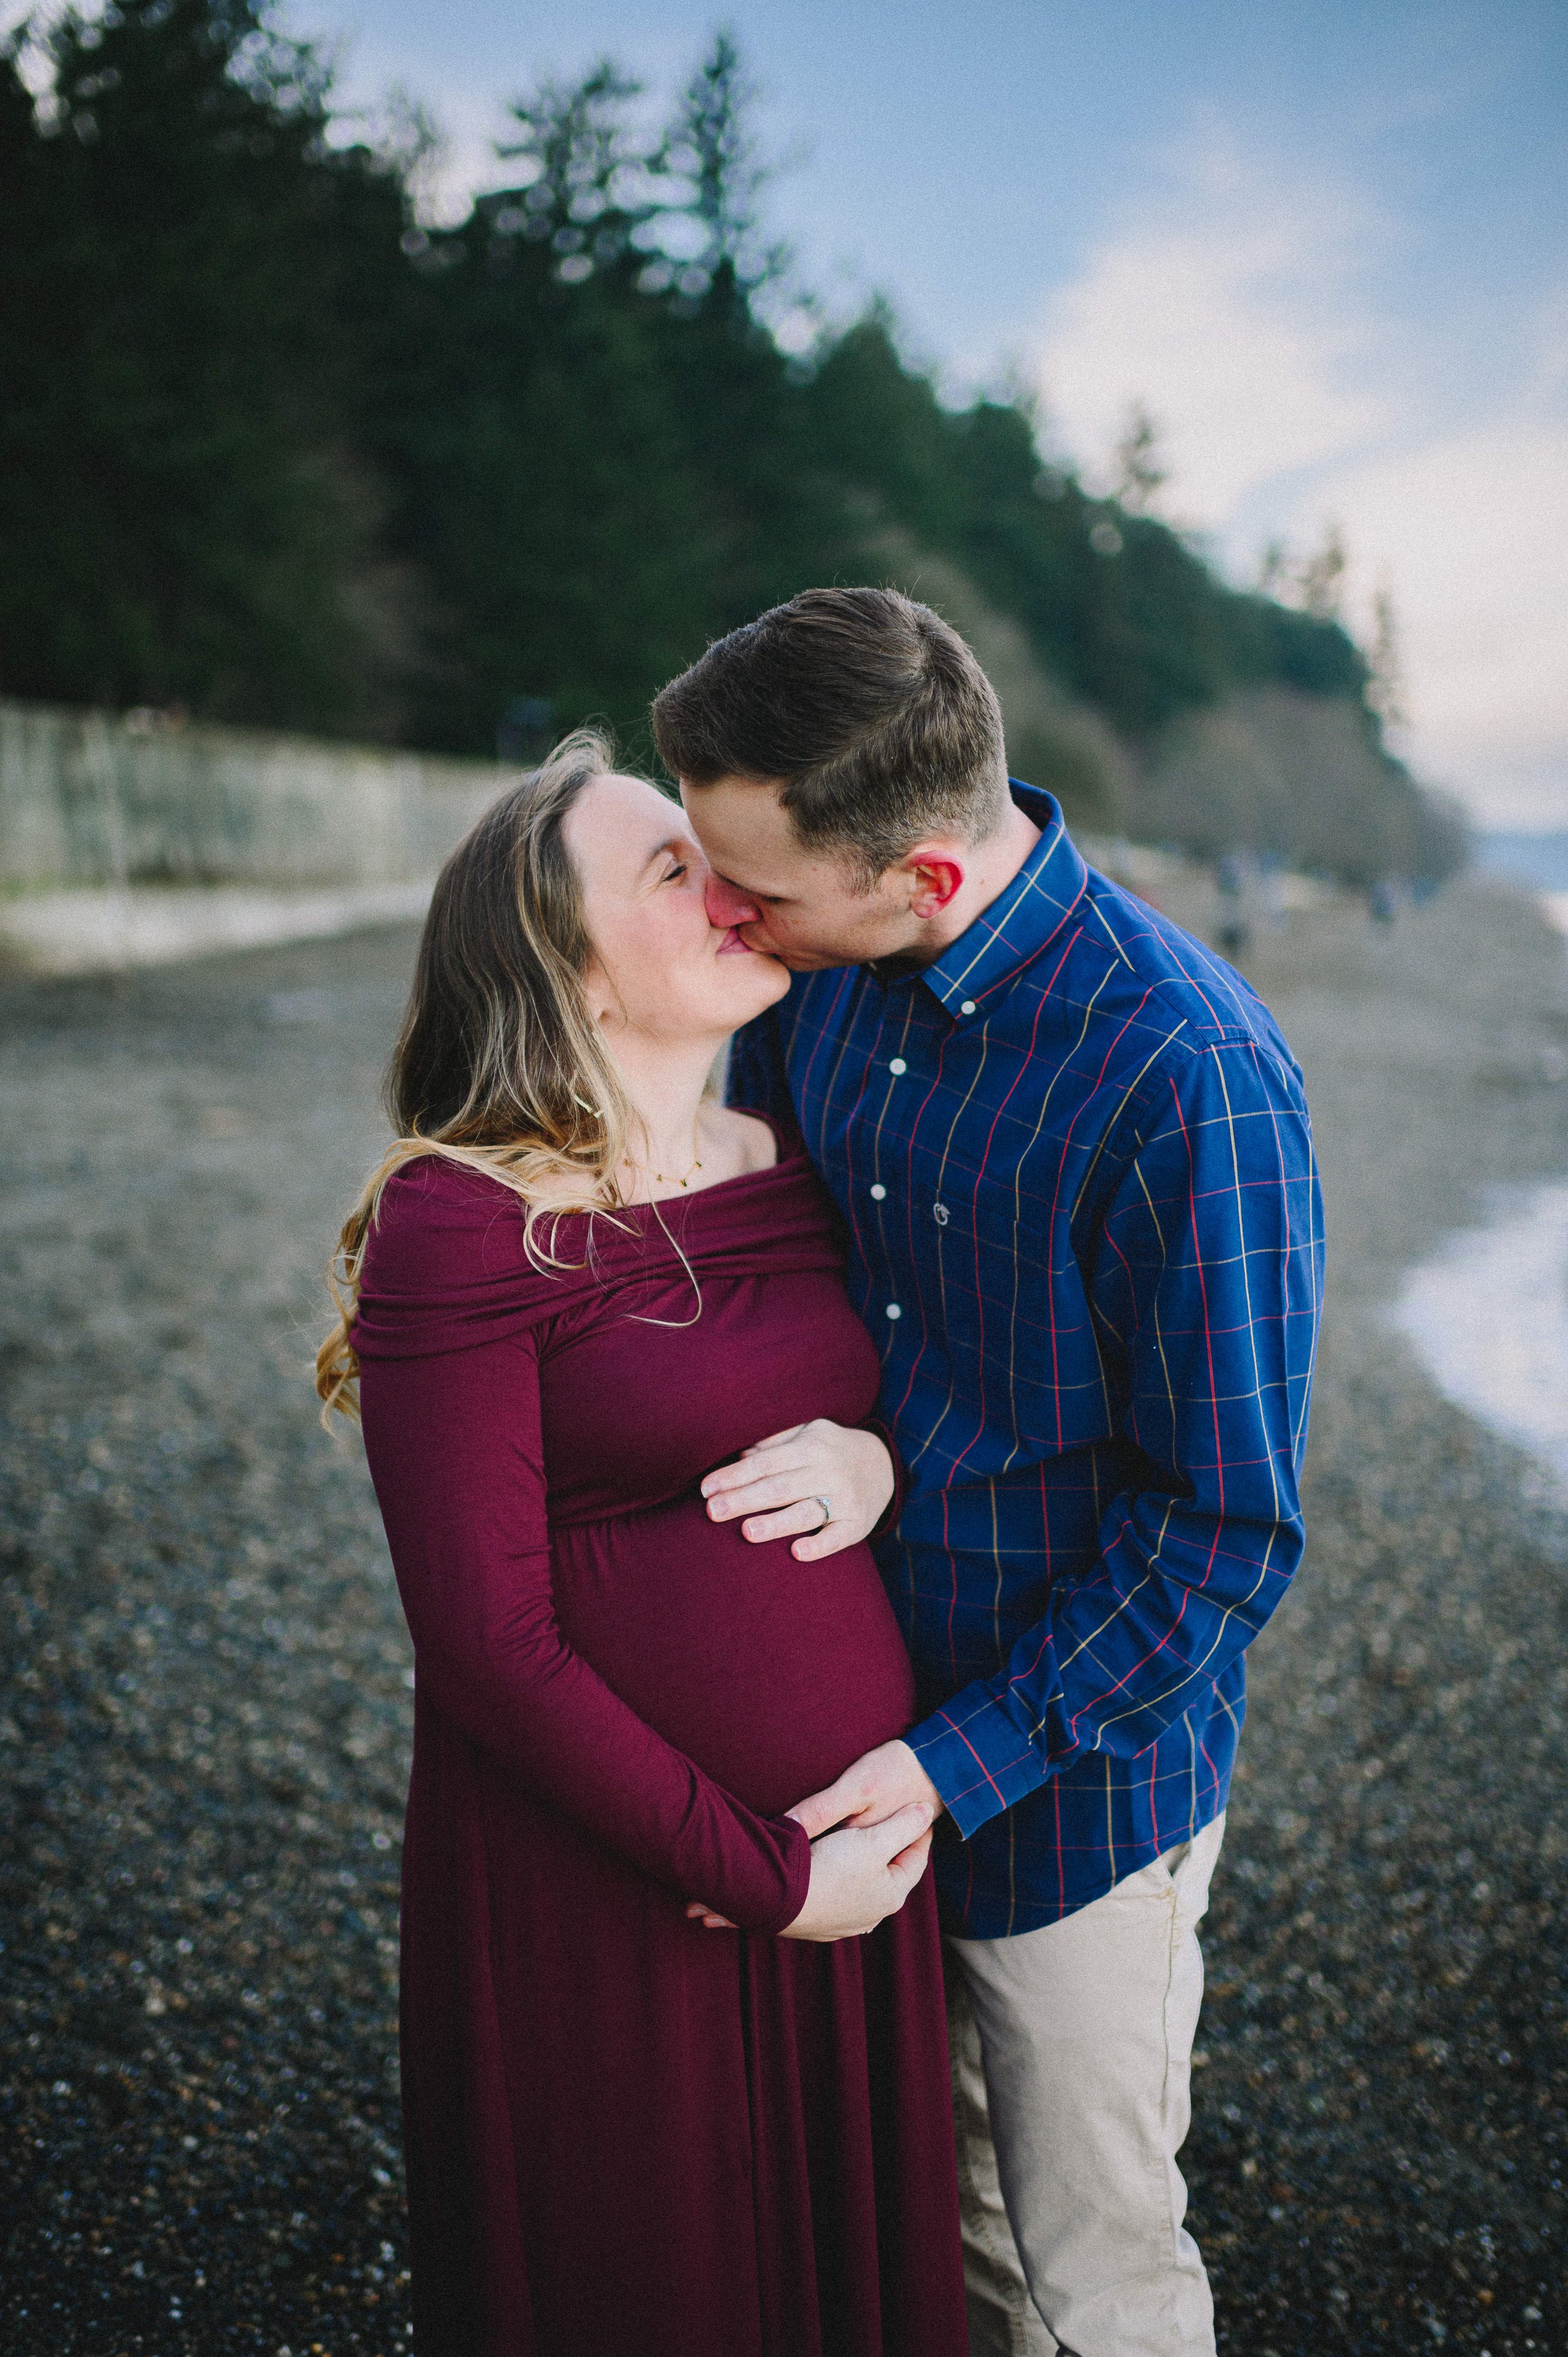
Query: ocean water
1488, 1311
1488, 1314
1537, 862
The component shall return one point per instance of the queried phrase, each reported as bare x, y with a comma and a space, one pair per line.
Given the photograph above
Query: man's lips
733, 945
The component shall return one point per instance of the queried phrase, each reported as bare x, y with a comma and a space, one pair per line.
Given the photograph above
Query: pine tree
271, 448
1139, 473
712, 143
1322, 578
181, 520
1385, 688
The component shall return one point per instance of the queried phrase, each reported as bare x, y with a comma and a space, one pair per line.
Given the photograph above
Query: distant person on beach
577, 1286
1072, 1155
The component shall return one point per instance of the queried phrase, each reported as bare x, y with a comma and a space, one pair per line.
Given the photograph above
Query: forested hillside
272, 451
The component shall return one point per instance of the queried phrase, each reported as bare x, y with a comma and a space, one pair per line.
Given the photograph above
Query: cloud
1236, 306
1471, 530
1228, 316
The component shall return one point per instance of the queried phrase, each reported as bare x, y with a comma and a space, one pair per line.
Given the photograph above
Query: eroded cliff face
1272, 768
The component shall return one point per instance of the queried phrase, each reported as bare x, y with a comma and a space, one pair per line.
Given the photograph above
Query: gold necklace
659, 1177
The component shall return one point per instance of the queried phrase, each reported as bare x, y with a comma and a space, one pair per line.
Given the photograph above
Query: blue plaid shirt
1074, 1161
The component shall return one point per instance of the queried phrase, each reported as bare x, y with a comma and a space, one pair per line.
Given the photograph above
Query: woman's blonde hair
500, 1064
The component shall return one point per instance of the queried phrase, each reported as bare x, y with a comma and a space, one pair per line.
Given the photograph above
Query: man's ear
935, 870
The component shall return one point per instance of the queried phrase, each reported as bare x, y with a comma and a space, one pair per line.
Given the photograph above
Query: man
1072, 1154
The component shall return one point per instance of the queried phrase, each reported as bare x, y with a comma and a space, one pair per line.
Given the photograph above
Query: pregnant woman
575, 1287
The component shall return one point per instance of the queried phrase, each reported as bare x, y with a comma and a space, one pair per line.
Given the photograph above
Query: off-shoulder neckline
792, 1157
790, 1151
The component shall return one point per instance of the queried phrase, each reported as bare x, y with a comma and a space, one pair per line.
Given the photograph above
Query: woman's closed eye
674, 874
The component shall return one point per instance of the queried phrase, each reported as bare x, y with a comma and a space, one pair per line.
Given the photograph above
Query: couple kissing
831, 1517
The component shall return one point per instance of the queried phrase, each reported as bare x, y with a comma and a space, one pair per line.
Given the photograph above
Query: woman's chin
752, 984
751, 978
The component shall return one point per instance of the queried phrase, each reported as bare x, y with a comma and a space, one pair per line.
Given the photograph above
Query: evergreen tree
1385, 687
271, 449
1139, 473
179, 513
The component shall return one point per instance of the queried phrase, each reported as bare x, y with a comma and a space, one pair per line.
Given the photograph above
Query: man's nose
728, 905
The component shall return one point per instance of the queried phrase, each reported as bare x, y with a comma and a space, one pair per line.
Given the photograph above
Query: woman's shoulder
449, 1261
433, 1205
755, 1142
770, 1139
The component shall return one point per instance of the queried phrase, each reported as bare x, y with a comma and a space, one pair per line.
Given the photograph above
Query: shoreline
1382, 2121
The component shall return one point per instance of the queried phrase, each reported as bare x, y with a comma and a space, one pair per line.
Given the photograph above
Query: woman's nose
726, 905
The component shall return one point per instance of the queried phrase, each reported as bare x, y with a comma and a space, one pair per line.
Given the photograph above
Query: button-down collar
1019, 922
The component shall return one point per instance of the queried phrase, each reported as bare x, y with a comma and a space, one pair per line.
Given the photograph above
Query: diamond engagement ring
826, 1505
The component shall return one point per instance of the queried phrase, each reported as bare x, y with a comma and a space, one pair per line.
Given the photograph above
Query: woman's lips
733, 946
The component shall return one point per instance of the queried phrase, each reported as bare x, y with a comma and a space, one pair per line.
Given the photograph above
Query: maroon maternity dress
624, 2133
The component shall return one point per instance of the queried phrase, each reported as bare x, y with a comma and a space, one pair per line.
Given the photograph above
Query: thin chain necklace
659, 1177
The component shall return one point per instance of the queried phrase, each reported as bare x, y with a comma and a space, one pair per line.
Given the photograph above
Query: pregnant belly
771, 1675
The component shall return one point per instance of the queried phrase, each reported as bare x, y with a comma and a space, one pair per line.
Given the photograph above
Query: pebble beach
205, 1700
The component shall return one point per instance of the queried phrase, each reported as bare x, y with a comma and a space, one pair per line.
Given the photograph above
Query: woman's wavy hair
499, 1065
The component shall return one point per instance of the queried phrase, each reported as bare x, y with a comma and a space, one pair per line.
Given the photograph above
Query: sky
1323, 242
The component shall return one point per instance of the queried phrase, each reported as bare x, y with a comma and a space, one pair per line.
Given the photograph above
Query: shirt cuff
976, 1758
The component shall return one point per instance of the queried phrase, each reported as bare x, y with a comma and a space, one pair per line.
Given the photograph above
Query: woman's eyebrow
676, 842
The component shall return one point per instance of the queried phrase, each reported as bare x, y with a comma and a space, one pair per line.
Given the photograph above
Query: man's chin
798, 961
810, 961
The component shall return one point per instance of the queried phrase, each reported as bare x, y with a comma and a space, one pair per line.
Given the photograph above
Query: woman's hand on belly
858, 1878
781, 1484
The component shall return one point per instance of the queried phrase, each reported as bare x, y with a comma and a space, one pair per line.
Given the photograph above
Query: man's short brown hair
869, 707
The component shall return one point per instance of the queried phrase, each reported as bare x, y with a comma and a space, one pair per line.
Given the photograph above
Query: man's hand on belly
797, 1473
875, 1786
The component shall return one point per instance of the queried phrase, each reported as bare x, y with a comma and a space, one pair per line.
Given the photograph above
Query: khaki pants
1072, 2056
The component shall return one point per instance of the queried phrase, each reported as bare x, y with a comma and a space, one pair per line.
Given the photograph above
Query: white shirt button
897, 1065
894, 1311
967, 1007
878, 1192
939, 1214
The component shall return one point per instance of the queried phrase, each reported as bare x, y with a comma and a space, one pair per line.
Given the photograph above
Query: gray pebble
204, 1706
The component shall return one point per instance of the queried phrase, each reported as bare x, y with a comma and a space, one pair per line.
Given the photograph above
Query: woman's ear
595, 989
602, 997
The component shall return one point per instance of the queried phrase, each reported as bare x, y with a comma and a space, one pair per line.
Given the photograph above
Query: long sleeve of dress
455, 1453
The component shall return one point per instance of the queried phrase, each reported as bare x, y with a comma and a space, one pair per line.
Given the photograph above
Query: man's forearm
1121, 1654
